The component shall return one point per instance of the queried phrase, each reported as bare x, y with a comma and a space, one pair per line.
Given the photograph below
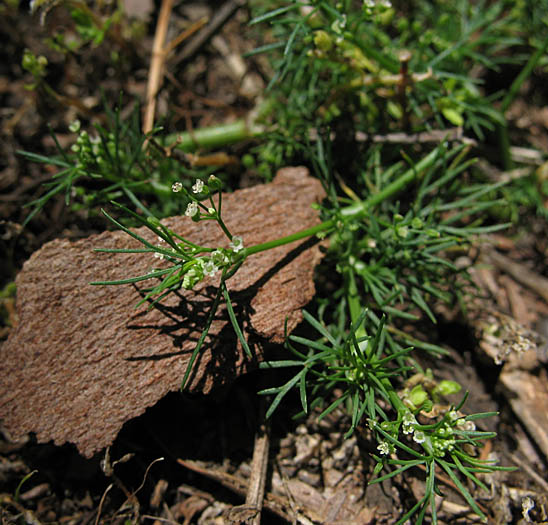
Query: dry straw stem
155, 74
159, 55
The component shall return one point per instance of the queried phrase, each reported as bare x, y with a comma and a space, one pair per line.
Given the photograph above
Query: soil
189, 458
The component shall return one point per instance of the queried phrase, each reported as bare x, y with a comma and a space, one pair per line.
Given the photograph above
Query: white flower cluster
197, 187
438, 441
88, 147
206, 266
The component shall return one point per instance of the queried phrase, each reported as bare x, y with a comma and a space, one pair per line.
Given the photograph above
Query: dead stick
217, 21
273, 502
259, 464
156, 64
187, 33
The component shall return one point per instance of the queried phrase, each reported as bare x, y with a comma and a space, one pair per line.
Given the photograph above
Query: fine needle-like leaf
281, 394
205, 331
234, 321
462, 489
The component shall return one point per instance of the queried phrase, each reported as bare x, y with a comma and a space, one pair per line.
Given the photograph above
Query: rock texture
82, 361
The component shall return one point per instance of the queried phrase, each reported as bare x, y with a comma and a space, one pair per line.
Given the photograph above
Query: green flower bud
214, 182
402, 232
323, 40
417, 223
418, 396
446, 388
248, 160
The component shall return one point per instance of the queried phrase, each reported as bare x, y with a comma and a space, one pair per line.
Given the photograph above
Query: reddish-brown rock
82, 361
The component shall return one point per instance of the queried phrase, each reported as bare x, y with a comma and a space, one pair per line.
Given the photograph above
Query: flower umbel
191, 278
176, 187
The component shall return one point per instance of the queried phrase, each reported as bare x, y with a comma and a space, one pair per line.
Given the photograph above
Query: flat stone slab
82, 360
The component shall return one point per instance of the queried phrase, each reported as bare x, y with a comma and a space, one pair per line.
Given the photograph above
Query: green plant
396, 218
391, 256
111, 163
366, 372
89, 26
379, 69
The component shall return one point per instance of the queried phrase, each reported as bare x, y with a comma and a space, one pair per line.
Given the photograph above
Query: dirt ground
188, 459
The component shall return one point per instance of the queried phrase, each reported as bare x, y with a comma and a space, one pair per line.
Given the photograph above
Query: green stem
354, 211
352, 297
360, 209
224, 228
216, 136
224, 134
504, 147
324, 226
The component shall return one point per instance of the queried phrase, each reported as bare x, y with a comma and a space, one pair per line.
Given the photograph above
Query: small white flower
384, 448
74, 126
419, 436
159, 255
210, 268
191, 209
467, 426
409, 419
176, 187
237, 244
452, 415
408, 423
198, 186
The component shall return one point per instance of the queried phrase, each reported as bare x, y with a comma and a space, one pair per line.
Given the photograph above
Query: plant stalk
354, 211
